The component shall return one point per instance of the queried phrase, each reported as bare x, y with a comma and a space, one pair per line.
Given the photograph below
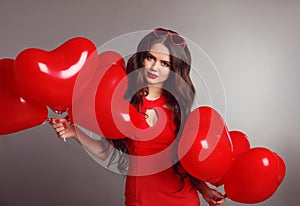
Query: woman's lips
151, 75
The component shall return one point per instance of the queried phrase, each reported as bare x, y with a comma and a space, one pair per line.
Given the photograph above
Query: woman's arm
101, 148
212, 196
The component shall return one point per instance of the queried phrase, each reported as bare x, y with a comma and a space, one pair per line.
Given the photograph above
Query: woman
160, 70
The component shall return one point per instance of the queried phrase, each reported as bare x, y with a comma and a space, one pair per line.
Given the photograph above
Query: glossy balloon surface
253, 176
205, 150
16, 113
48, 77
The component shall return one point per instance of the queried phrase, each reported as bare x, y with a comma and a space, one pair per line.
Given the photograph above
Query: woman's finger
64, 124
59, 129
59, 123
212, 202
61, 133
56, 125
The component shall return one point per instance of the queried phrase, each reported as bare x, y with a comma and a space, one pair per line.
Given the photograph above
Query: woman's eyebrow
153, 56
149, 54
165, 61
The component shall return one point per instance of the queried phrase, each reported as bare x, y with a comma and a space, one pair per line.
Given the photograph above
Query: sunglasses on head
176, 39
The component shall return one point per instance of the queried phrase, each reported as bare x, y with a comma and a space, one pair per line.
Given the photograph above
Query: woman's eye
149, 57
165, 64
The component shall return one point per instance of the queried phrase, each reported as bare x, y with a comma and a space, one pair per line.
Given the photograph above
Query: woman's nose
154, 66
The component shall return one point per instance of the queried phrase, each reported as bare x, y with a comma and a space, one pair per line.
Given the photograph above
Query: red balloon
108, 80
240, 143
253, 176
281, 169
116, 117
82, 112
205, 150
108, 58
16, 113
48, 77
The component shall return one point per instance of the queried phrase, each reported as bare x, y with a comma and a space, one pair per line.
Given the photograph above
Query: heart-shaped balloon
253, 176
116, 116
16, 113
281, 168
205, 150
48, 77
105, 110
240, 143
108, 58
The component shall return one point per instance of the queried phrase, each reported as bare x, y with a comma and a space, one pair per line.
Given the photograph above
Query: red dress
163, 186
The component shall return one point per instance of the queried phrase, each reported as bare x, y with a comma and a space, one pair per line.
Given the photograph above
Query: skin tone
157, 69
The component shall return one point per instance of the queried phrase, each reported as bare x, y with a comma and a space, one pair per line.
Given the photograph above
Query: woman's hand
100, 148
213, 197
63, 128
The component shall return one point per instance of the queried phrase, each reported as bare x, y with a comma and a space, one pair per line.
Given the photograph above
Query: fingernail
64, 125
212, 201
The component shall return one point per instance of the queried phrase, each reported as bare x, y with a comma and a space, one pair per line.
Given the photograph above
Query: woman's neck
154, 92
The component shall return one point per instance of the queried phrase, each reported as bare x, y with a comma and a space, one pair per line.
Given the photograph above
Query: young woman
160, 69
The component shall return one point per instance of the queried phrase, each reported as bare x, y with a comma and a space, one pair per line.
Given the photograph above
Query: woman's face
157, 65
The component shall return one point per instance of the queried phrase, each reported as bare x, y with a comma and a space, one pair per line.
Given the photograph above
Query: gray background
254, 45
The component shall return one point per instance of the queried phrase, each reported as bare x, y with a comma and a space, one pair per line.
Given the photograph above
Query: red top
158, 186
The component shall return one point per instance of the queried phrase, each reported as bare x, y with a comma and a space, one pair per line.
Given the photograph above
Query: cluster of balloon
38, 79
17, 113
48, 77
212, 154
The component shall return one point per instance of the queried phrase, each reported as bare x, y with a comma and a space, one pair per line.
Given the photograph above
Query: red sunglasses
176, 39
